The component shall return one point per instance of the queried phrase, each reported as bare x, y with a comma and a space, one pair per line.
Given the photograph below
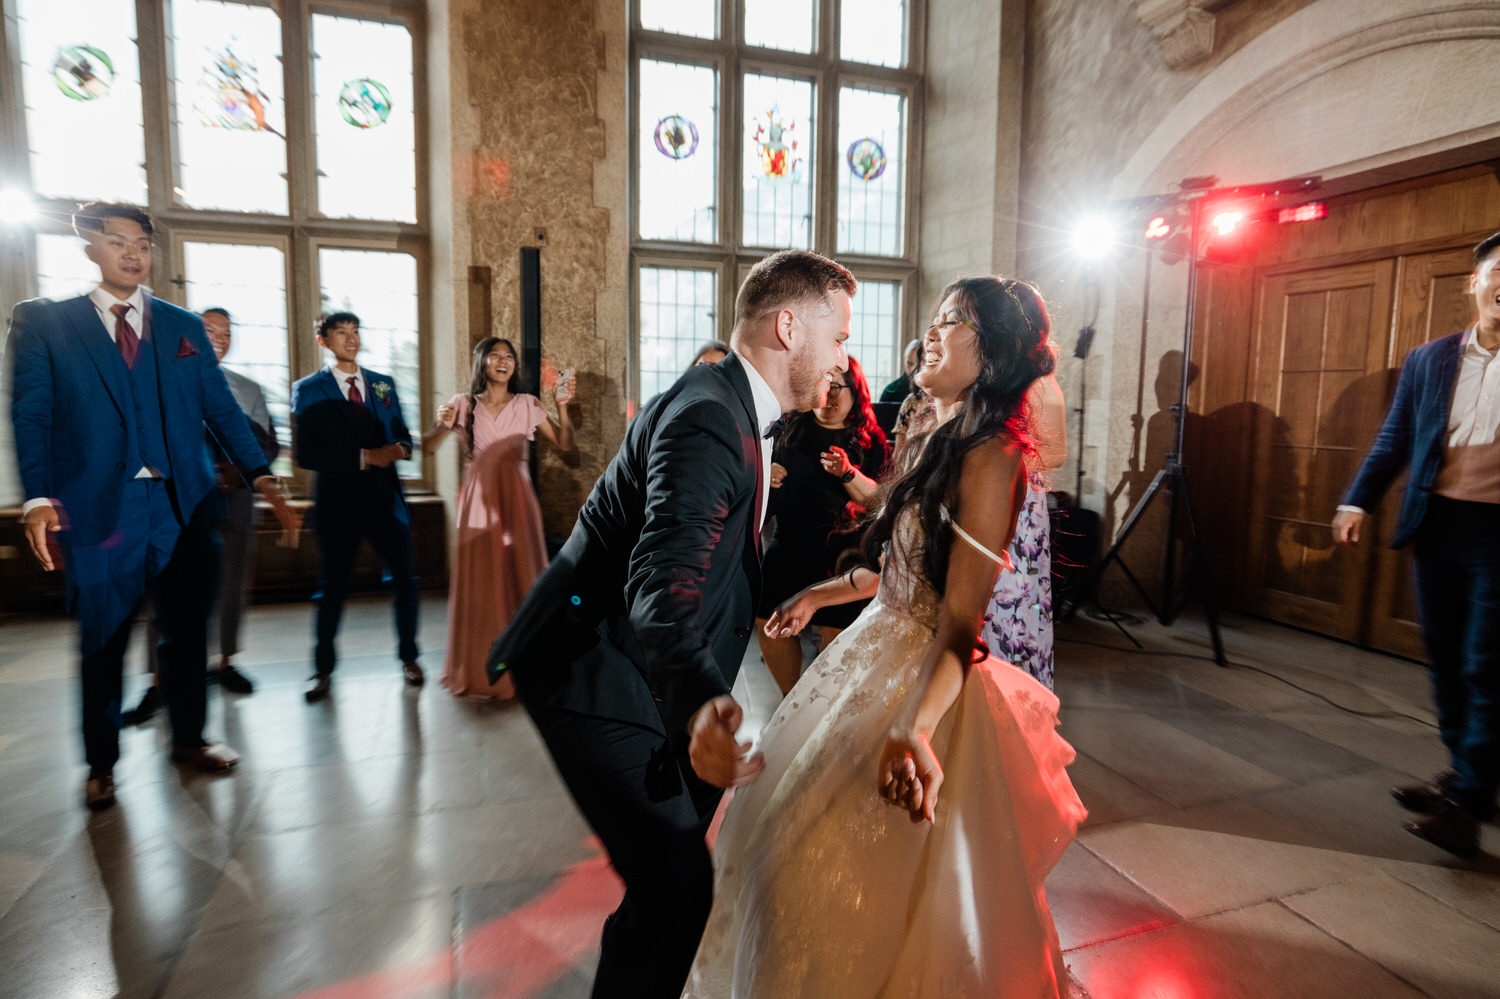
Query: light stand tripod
1173, 476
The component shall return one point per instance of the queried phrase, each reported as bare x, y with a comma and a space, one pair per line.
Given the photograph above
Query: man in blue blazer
347, 427
110, 395
1442, 430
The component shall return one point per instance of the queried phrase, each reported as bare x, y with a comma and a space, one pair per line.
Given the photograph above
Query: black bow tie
776, 426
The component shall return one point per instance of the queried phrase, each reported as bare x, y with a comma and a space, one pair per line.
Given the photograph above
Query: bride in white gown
858, 865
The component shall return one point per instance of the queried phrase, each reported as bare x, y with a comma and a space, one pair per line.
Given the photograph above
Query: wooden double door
1327, 346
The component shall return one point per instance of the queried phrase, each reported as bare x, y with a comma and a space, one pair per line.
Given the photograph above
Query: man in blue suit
110, 395
1442, 430
347, 427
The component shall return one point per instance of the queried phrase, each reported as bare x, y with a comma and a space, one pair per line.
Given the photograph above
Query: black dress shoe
413, 674
321, 687
142, 712
234, 681
1425, 798
1449, 827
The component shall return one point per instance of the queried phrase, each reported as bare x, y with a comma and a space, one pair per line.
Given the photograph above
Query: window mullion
153, 51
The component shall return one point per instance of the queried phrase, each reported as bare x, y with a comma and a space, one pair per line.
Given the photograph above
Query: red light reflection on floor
517, 955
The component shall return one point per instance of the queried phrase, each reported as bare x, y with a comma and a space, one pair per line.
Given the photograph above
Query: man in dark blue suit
347, 427
110, 394
1442, 430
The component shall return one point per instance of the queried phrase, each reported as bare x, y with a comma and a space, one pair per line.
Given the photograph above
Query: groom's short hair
789, 277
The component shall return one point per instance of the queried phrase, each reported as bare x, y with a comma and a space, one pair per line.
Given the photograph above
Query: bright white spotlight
16, 207
1093, 237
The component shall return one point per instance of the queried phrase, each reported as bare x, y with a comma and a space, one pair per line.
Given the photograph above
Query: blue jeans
1457, 553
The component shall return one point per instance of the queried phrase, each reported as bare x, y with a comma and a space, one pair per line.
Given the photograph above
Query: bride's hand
910, 775
791, 615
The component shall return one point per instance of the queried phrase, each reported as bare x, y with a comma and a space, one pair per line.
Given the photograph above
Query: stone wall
537, 122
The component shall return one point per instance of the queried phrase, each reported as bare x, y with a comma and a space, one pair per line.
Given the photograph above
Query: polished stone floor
389, 843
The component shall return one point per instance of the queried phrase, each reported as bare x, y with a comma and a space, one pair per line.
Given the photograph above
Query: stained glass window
380, 288
699, 18
678, 151
364, 117
677, 313
81, 77
875, 331
249, 282
781, 24
874, 31
229, 115
871, 188
778, 166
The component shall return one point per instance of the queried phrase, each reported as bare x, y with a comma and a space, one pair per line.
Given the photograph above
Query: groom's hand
712, 749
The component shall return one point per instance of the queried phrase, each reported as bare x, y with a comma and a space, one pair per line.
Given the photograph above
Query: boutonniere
382, 392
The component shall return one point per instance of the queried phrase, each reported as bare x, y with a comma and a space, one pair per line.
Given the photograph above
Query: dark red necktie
355, 396
125, 336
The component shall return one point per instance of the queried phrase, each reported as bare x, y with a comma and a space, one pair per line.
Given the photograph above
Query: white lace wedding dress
822, 889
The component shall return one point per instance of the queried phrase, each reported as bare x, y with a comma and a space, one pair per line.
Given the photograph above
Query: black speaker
531, 317
1075, 549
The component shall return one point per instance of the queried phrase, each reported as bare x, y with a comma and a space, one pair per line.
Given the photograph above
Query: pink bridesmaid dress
499, 548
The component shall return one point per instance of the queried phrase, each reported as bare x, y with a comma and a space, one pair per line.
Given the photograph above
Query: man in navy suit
347, 427
110, 395
1442, 430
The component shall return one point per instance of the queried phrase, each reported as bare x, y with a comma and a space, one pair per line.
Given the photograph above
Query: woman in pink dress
499, 548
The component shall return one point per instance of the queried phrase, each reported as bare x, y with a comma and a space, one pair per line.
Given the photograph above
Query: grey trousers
236, 567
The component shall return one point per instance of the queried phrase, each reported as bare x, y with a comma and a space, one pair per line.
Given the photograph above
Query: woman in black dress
822, 463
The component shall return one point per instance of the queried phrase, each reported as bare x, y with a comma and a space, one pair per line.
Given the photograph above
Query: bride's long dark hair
1011, 325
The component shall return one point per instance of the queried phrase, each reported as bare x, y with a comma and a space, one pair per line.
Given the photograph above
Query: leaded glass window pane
872, 178
381, 289
875, 331
249, 282
699, 18
230, 111
365, 120
778, 166
678, 315
678, 152
61, 268
81, 82
874, 31
781, 24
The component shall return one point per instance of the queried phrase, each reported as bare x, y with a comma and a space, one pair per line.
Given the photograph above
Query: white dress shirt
342, 377
767, 410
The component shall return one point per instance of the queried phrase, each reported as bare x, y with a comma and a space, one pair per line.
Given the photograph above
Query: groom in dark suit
625, 649
1443, 430
110, 395
347, 427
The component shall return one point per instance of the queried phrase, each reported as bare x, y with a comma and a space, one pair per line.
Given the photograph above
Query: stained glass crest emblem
676, 137
230, 95
866, 159
365, 103
776, 143
83, 72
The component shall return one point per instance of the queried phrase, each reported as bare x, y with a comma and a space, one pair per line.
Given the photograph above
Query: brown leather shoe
1449, 827
1425, 798
209, 758
99, 791
320, 688
413, 674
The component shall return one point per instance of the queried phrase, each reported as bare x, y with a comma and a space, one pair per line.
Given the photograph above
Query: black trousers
638, 791
182, 598
1457, 554
337, 546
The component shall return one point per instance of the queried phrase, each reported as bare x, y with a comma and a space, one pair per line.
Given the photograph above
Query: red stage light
1224, 222
1158, 228
1310, 212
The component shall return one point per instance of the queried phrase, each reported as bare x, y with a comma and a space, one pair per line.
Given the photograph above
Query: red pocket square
185, 349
